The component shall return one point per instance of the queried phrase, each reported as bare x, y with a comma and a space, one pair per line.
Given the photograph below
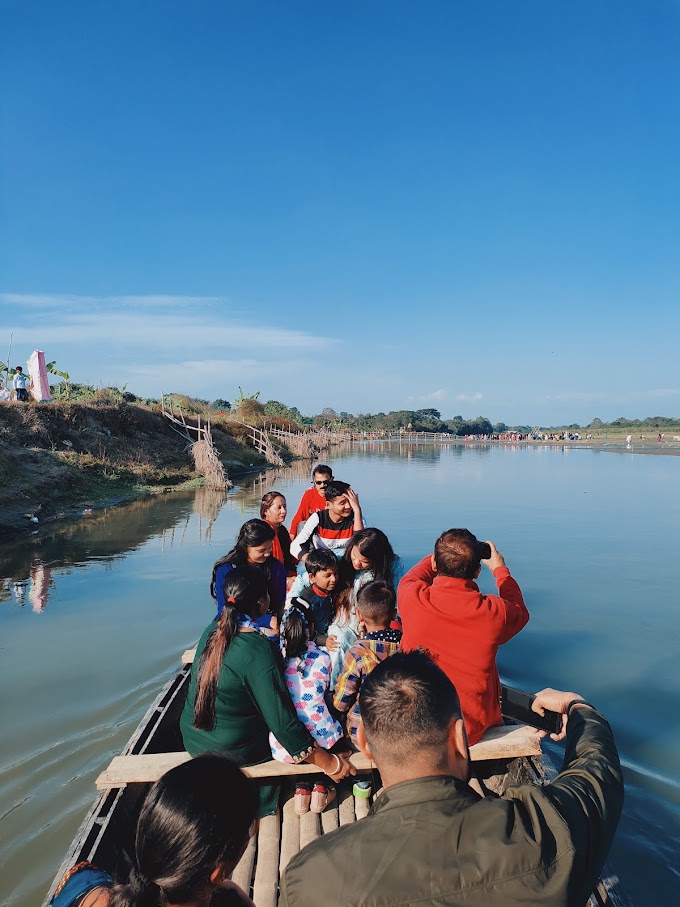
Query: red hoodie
463, 629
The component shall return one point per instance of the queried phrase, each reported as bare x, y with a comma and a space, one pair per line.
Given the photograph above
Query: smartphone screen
517, 704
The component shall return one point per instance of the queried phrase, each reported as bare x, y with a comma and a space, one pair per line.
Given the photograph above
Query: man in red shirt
313, 499
443, 611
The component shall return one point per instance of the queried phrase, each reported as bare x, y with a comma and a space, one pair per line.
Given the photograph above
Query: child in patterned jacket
307, 674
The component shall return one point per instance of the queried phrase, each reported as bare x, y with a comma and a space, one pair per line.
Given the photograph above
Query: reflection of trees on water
27, 566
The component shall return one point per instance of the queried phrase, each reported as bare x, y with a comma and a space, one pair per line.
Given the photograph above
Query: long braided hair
245, 592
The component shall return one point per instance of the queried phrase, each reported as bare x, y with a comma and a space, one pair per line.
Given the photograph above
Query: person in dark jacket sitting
430, 839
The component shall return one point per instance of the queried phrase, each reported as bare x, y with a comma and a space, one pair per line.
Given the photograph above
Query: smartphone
484, 551
517, 704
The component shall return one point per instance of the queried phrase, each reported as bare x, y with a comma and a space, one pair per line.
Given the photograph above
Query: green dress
251, 700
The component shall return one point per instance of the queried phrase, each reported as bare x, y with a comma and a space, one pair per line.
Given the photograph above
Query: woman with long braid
237, 694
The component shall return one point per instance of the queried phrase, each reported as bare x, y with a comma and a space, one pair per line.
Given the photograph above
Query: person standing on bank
19, 383
429, 839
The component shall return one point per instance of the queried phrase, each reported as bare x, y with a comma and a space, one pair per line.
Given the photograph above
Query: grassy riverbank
59, 459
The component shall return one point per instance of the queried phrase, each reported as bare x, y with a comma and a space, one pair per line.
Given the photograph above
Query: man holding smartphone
443, 611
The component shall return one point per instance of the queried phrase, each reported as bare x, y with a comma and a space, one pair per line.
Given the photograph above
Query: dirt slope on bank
57, 459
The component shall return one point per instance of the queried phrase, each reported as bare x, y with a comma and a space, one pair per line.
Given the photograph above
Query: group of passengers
302, 626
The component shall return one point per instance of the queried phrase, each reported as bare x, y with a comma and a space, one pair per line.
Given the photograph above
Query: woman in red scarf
273, 511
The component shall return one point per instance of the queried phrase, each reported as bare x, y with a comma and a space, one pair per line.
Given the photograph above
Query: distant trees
479, 426
291, 413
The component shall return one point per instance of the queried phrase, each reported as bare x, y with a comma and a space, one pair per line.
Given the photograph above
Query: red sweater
463, 628
310, 503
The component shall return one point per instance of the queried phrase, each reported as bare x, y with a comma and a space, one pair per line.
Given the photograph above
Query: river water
94, 615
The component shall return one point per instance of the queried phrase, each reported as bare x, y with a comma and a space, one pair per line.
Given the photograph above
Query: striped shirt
320, 531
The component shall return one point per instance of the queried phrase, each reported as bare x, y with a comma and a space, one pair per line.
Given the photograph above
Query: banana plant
51, 367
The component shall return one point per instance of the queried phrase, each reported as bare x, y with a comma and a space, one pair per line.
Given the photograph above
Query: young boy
322, 569
333, 527
19, 382
376, 603
313, 499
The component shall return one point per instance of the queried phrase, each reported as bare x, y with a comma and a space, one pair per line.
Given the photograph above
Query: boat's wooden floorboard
281, 837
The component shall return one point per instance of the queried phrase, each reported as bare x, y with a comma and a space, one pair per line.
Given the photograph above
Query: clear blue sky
363, 205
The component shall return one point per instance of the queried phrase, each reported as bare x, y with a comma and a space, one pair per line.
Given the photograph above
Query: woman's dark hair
296, 629
267, 501
197, 816
244, 589
374, 545
252, 534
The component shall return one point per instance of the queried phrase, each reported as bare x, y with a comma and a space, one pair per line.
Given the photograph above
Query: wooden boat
505, 757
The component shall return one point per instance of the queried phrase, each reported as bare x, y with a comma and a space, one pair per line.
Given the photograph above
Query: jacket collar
455, 582
425, 790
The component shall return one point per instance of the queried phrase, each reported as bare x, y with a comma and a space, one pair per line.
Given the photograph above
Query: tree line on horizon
427, 419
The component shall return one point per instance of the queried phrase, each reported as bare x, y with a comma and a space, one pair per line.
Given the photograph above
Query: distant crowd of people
322, 646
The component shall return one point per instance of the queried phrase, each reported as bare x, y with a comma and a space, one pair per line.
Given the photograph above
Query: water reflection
31, 567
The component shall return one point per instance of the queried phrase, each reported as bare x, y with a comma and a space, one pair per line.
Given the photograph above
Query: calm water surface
93, 618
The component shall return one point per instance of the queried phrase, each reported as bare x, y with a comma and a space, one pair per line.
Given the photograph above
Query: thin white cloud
430, 397
167, 323
469, 398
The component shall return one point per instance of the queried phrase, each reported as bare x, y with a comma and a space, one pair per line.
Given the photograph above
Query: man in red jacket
443, 611
313, 499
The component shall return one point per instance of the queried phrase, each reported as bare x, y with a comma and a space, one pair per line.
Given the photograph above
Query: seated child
375, 608
322, 569
307, 672
332, 527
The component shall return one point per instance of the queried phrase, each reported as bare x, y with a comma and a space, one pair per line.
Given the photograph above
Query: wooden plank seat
506, 742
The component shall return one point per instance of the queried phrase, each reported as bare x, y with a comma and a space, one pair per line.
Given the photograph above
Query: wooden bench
498, 743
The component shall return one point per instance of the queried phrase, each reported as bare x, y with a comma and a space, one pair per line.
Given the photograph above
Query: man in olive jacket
430, 839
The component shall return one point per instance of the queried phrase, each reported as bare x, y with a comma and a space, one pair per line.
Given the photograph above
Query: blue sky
363, 205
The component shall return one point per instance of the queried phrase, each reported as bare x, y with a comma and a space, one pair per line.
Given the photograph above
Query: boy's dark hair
457, 552
18, 369
322, 470
321, 559
377, 602
335, 488
407, 705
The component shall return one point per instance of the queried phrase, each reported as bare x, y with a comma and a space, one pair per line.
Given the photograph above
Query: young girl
368, 557
253, 548
307, 672
191, 833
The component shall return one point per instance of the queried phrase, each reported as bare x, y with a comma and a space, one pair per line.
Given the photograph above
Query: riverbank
61, 460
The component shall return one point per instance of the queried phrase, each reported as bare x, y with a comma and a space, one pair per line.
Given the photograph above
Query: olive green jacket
434, 841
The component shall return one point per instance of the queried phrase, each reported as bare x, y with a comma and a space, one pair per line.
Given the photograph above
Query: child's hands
331, 644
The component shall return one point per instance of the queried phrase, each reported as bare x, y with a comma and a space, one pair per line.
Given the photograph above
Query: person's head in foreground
412, 722
192, 830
